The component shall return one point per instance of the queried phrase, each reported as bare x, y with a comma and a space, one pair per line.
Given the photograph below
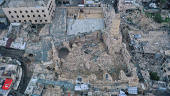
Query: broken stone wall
87, 38
114, 30
125, 53
111, 36
113, 45
132, 81
108, 16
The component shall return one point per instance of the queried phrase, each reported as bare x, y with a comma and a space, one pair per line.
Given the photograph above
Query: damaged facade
36, 12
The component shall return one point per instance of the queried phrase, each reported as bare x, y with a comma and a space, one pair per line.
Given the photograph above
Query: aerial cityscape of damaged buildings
84, 48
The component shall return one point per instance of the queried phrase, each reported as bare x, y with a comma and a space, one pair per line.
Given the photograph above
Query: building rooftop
12, 39
6, 70
4, 92
36, 85
9, 71
27, 3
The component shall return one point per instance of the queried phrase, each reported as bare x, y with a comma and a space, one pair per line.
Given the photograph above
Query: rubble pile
92, 57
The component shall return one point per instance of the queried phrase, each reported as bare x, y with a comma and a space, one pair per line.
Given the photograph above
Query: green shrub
167, 19
153, 76
158, 18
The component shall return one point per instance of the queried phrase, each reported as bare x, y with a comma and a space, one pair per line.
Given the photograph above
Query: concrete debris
167, 52
128, 4
86, 50
87, 65
147, 43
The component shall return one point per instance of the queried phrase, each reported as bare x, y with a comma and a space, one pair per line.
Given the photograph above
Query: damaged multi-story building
36, 12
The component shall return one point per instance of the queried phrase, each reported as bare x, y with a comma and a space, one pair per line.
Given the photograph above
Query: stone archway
30, 55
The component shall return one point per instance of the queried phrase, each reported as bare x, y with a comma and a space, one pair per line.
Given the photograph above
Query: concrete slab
58, 25
40, 49
84, 25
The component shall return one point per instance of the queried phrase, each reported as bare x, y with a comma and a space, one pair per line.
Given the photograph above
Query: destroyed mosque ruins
83, 48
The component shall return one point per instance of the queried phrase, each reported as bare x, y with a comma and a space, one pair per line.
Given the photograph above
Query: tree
153, 76
158, 18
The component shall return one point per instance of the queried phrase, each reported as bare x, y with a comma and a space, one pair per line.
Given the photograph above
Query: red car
7, 84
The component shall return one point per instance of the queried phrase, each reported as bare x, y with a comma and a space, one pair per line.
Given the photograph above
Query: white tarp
89, 2
80, 87
132, 90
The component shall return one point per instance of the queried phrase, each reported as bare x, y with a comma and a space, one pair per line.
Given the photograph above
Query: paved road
26, 78
9, 52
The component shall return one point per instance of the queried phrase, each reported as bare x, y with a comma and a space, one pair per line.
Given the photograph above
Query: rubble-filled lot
91, 58
140, 20
147, 43
153, 42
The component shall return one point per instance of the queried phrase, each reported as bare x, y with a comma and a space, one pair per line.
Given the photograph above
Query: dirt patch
81, 16
94, 15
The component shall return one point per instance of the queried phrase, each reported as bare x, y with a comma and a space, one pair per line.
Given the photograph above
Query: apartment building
34, 11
